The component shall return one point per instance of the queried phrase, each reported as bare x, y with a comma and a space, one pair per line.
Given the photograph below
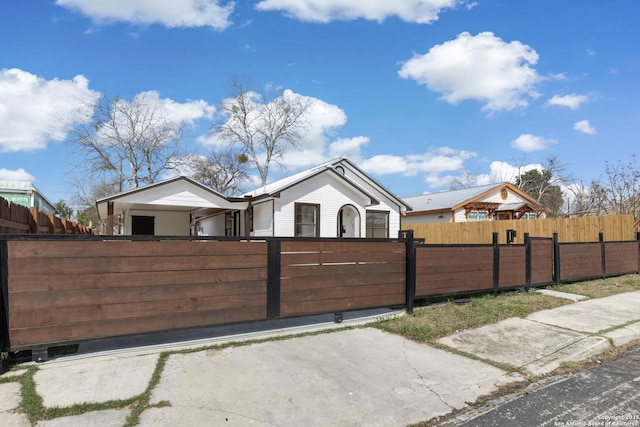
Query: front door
348, 222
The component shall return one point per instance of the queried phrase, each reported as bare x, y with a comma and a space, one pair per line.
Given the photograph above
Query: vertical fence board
579, 229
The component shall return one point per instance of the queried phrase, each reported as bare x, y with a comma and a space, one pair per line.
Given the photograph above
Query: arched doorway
348, 222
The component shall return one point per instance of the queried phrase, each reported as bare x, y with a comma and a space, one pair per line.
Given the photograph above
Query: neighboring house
335, 199
485, 203
26, 194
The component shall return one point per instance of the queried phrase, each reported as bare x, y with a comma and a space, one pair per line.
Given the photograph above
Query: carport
167, 208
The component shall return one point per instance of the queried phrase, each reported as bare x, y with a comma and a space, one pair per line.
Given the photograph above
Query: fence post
527, 261
273, 278
496, 263
638, 240
556, 259
603, 253
410, 278
4, 302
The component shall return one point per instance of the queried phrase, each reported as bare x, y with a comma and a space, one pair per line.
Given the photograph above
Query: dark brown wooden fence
447, 270
341, 276
61, 289
18, 219
65, 289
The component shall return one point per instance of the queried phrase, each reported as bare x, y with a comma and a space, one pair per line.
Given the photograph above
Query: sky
415, 92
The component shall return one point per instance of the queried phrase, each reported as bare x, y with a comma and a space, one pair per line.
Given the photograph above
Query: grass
602, 287
427, 324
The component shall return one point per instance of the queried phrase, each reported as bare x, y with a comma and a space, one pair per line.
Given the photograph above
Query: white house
484, 203
335, 199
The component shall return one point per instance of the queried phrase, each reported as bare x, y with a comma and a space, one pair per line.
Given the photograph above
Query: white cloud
431, 164
416, 11
60, 105
15, 175
180, 113
348, 147
572, 101
172, 14
323, 120
583, 126
385, 164
504, 172
482, 68
528, 143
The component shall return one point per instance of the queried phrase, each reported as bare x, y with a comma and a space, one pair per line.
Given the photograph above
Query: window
477, 216
378, 224
307, 220
528, 215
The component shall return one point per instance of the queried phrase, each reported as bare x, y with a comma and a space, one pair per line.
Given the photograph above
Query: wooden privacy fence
18, 219
446, 270
61, 289
57, 290
579, 229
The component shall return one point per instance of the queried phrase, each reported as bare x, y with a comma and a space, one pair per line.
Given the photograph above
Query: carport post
109, 218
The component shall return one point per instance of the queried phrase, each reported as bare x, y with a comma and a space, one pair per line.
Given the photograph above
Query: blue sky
413, 91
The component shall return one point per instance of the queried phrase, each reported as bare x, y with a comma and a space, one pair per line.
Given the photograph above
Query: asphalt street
607, 395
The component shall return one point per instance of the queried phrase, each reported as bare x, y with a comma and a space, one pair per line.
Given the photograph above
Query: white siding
386, 203
427, 218
212, 226
330, 194
263, 219
460, 215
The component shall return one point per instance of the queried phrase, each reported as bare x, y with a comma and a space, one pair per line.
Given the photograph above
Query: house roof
189, 195
276, 187
446, 199
451, 200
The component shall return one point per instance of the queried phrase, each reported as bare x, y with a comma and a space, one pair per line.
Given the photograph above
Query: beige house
485, 203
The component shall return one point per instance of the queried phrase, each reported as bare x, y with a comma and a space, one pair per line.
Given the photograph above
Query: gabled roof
187, 194
455, 199
446, 199
274, 188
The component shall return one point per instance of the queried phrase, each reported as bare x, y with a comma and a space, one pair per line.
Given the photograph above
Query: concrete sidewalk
351, 377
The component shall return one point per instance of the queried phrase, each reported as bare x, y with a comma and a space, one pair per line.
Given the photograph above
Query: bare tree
129, 142
581, 202
85, 203
263, 126
465, 180
618, 191
225, 171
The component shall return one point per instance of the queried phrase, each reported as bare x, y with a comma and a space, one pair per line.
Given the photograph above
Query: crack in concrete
573, 342
422, 379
